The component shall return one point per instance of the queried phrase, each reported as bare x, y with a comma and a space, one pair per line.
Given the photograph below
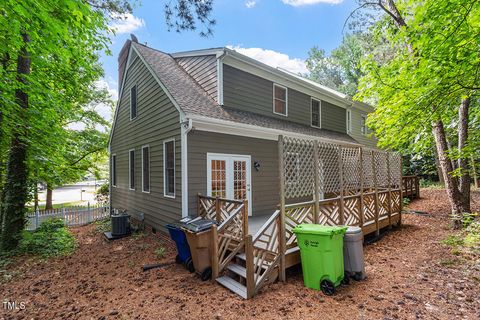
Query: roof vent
134, 38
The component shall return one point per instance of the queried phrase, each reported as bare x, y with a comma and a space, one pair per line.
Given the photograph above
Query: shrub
160, 252
52, 238
103, 193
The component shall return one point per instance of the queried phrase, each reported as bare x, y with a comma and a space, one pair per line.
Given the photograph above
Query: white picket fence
72, 216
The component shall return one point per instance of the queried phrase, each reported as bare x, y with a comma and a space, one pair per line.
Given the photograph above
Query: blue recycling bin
178, 236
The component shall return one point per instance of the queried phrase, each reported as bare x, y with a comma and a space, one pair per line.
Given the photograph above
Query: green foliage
472, 239
103, 193
425, 183
406, 201
453, 241
52, 238
160, 252
102, 226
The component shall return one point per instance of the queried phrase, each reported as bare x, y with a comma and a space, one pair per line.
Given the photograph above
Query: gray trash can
354, 263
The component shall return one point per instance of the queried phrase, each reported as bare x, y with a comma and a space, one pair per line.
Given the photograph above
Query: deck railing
411, 187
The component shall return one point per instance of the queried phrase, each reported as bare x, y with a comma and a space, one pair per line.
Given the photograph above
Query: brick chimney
122, 61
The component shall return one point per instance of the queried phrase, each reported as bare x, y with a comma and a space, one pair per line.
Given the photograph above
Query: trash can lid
309, 228
353, 230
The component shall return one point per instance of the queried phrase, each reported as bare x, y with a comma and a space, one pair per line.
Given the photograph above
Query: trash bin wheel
178, 259
357, 276
189, 265
346, 278
206, 274
327, 287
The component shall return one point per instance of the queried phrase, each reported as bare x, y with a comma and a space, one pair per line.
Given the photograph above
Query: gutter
185, 127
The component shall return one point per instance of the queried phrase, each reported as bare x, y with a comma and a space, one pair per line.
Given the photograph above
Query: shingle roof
192, 99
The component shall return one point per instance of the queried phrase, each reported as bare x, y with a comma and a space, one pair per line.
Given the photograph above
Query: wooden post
361, 204
417, 186
341, 207
214, 251
389, 199
316, 185
198, 204
401, 193
375, 181
245, 218
250, 267
218, 216
282, 245
89, 213
64, 216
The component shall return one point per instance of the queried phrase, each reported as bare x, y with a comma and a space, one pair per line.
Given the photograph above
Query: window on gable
280, 100
169, 168
146, 169
114, 170
131, 166
349, 121
363, 125
133, 102
316, 109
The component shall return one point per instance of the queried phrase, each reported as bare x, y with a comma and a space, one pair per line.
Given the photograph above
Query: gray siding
203, 70
265, 197
249, 92
369, 141
157, 120
334, 117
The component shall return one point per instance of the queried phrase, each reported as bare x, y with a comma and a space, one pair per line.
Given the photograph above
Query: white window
114, 170
133, 102
280, 98
169, 168
363, 125
349, 121
146, 169
316, 109
131, 169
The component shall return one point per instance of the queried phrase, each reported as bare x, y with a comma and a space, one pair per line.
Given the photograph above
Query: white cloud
126, 23
273, 59
250, 4
298, 3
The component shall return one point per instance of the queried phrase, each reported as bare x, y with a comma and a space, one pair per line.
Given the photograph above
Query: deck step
233, 285
238, 269
243, 257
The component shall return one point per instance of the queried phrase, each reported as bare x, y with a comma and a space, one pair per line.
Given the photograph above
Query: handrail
230, 217
221, 199
265, 226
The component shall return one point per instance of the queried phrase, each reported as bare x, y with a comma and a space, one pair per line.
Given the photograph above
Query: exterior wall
249, 92
356, 133
264, 186
157, 120
203, 69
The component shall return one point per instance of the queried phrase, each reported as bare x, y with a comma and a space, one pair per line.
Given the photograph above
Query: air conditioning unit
120, 224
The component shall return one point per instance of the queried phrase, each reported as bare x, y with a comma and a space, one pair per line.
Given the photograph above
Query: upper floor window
363, 125
280, 96
349, 121
131, 166
133, 102
114, 170
316, 113
169, 168
146, 169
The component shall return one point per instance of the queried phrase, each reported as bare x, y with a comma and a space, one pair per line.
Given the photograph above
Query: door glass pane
218, 178
239, 180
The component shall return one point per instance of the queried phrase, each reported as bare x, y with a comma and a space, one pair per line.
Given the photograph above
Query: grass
61, 205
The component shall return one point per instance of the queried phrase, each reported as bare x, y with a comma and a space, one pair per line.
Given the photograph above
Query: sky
277, 32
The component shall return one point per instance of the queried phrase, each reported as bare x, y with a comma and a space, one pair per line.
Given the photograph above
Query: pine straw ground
411, 274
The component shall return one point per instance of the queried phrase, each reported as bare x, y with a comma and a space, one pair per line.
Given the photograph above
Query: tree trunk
451, 185
464, 179
441, 179
49, 202
15, 188
474, 172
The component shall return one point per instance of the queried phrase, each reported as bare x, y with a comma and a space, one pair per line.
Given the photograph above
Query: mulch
411, 275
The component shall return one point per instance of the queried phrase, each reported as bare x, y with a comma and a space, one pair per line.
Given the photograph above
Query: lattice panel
328, 158
395, 164
395, 201
294, 217
298, 163
381, 168
351, 170
368, 179
383, 204
351, 211
207, 207
369, 207
329, 213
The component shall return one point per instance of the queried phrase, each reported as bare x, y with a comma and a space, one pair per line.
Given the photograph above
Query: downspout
186, 126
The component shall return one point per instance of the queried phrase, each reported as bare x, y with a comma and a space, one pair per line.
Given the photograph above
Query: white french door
229, 176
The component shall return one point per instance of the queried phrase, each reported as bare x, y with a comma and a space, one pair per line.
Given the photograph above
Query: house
207, 121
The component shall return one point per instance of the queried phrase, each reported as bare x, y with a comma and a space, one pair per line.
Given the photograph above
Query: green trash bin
321, 250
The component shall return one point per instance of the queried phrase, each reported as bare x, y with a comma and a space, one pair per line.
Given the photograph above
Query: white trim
196, 53
129, 170
184, 160
229, 158
286, 99
149, 173
114, 170
220, 80
203, 123
319, 113
349, 120
164, 171
136, 101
